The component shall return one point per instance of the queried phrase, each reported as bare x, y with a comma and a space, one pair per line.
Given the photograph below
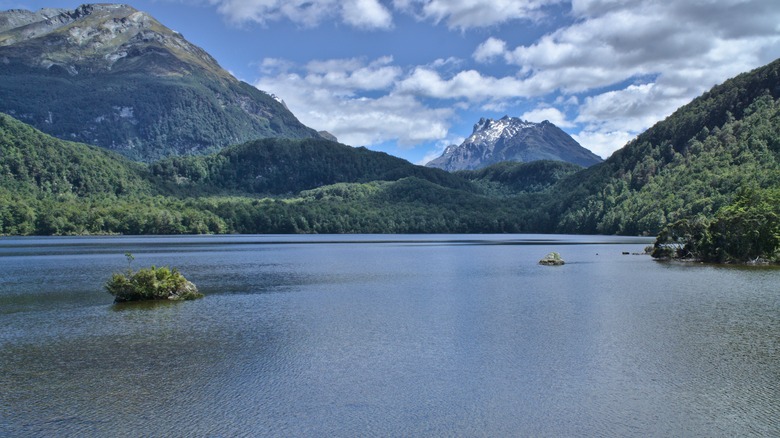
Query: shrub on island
151, 284
552, 259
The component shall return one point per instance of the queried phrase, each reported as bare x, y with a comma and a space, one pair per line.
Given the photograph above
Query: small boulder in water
552, 259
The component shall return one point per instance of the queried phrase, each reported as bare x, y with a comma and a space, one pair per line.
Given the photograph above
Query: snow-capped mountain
513, 139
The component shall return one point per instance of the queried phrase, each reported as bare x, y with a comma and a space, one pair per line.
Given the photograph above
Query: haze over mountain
513, 139
115, 77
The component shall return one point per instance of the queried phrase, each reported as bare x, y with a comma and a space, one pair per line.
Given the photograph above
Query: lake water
350, 336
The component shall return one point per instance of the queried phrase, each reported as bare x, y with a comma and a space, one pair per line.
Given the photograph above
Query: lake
375, 335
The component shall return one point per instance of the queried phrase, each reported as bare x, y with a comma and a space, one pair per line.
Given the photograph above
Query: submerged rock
552, 259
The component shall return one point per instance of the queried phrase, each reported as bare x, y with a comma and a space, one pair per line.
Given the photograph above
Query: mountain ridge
720, 170
115, 77
97, 37
691, 163
513, 139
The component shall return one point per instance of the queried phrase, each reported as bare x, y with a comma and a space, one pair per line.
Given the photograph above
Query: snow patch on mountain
513, 139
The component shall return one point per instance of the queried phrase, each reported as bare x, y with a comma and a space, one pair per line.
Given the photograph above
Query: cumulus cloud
344, 76
367, 14
354, 100
615, 66
550, 114
470, 85
602, 143
631, 109
683, 47
374, 14
467, 14
489, 50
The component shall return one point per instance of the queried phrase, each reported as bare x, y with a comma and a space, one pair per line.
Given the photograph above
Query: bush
151, 284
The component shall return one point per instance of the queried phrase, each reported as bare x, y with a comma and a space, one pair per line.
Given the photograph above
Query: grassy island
152, 283
552, 259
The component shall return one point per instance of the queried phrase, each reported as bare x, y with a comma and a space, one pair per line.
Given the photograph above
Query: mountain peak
513, 139
113, 76
100, 37
19, 24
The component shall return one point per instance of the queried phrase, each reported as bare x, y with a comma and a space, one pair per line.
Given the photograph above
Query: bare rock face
513, 139
94, 37
112, 76
16, 18
328, 136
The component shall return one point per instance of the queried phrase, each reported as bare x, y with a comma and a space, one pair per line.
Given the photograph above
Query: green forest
705, 180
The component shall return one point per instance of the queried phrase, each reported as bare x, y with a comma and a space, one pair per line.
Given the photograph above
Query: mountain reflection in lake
386, 336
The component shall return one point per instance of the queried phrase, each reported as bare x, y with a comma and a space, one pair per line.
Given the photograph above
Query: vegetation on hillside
510, 178
746, 230
145, 117
371, 192
129, 84
34, 163
693, 163
283, 167
707, 179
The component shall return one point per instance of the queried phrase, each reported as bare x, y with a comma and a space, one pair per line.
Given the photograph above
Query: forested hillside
692, 163
53, 187
510, 178
707, 177
112, 76
34, 163
276, 166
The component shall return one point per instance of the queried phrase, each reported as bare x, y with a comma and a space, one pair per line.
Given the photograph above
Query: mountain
509, 178
692, 164
33, 163
276, 166
513, 139
115, 77
49, 186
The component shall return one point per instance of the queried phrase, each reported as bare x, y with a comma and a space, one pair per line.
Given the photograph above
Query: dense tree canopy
707, 178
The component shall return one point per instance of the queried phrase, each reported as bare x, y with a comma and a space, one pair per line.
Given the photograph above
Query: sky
410, 77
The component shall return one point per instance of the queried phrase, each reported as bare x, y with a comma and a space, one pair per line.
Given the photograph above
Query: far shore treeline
707, 178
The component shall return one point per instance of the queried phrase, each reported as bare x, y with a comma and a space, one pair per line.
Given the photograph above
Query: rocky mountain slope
513, 139
113, 76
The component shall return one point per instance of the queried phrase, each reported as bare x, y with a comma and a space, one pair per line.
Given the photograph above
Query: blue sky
410, 77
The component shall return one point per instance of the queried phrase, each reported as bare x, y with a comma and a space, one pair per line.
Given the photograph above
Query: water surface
386, 336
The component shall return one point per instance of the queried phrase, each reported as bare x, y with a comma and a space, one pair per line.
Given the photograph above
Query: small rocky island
552, 259
151, 283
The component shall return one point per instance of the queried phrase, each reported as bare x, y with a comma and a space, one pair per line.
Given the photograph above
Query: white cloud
631, 109
602, 143
550, 114
335, 96
685, 47
489, 50
467, 14
373, 14
365, 14
467, 84
615, 66
349, 75
368, 14
613, 118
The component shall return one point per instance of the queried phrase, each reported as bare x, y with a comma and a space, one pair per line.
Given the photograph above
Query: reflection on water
386, 335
